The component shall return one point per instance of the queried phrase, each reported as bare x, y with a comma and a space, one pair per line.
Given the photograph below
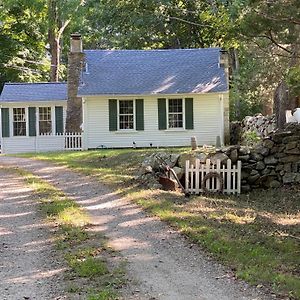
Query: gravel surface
27, 260
161, 263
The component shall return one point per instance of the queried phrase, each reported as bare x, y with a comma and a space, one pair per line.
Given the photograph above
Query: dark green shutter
162, 113
189, 113
113, 114
5, 122
59, 119
139, 114
32, 121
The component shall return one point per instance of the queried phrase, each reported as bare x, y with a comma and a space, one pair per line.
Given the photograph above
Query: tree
60, 13
22, 46
274, 29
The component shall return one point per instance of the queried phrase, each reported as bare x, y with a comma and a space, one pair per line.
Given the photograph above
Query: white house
142, 98
154, 97
30, 114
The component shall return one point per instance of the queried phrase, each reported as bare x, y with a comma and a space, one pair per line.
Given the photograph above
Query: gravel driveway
27, 267
161, 263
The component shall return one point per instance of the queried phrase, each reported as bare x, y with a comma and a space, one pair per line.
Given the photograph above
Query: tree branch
289, 20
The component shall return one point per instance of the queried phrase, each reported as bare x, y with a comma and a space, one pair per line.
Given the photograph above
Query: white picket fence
230, 175
42, 143
73, 141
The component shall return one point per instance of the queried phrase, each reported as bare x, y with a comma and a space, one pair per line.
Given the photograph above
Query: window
45, 123
126, 114
19, 122
175, 113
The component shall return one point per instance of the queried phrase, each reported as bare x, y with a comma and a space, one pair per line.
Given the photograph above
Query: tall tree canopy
262, 37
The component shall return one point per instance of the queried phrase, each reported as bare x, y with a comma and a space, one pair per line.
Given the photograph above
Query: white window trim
52, 115
11, 116
183, 115
118, 116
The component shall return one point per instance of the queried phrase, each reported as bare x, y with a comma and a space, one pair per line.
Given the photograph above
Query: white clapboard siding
41, 143
231, 175
207, 123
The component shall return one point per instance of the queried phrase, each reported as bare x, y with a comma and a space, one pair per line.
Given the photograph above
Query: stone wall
260, 124
274, 162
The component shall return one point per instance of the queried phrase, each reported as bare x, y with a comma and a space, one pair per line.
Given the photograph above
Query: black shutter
189, 113
113, 114
5, 122
162, 113
32, 121
139, 114
59, 119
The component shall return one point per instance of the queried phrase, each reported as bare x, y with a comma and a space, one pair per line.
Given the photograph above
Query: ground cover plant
257, 235
90, 273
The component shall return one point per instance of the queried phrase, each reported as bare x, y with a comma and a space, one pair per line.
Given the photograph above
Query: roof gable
143, 72
26, 92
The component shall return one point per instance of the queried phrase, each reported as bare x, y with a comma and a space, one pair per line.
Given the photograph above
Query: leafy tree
22, 46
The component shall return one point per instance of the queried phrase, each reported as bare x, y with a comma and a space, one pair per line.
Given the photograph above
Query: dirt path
161, 263
27, 267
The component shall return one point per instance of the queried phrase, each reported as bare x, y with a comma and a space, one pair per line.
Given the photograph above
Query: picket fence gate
72, 140
195, 177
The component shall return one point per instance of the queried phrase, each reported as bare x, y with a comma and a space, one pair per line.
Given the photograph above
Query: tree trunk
55, 57
281, 104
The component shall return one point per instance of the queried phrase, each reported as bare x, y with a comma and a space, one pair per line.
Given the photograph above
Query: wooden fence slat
195, 173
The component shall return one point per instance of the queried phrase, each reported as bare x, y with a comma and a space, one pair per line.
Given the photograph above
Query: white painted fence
41, 143
230, 177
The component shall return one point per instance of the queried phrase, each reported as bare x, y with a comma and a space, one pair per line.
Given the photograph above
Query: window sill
126, 131
176, 130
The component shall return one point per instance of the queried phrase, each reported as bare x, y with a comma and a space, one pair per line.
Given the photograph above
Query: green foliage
251, 138
293, 80
103, 295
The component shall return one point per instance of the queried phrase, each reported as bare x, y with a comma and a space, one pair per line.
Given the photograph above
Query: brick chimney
74, 104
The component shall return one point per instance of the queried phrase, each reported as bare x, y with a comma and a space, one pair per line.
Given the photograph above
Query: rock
253, 178
256, 156
244, 174
219, 156
295, 151
244, 150
289, 177
291, 145
277, 137
246, 188
179, 172
262, 150
268, 143
270, 160
274, 184
260, 165
254, 172
280, 155
287, 167
192, 156
244, 158
289, 139
290, 158
279, 167
234, 155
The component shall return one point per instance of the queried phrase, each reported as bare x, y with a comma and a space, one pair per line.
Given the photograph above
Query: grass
256, 235
90, 275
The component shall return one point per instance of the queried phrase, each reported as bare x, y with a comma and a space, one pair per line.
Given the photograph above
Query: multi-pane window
126, 114
19, 122
175, 116
45, 123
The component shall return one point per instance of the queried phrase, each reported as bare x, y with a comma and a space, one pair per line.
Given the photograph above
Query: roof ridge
29, 83
152, 50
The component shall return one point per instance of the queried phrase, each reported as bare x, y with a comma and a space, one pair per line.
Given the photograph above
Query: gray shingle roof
144, 72
25, 92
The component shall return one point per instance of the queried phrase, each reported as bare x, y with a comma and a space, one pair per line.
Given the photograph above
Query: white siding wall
207, 123
20, 144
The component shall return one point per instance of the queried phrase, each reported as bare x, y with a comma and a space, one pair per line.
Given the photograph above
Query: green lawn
256, 235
